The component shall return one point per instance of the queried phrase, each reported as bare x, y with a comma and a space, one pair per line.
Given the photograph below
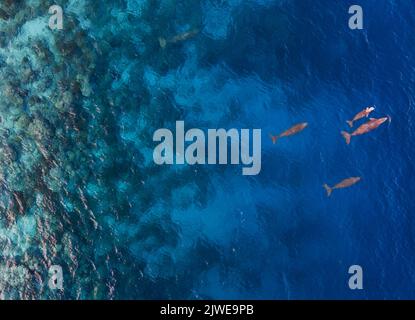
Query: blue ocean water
79, 188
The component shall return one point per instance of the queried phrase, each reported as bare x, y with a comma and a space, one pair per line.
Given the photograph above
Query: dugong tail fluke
162, 42
273, 138
347, 136
350, 123
328, 189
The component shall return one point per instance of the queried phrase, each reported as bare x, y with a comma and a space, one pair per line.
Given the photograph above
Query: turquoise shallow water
79, 188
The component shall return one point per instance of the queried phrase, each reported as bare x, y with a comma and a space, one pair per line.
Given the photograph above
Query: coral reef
77, 182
